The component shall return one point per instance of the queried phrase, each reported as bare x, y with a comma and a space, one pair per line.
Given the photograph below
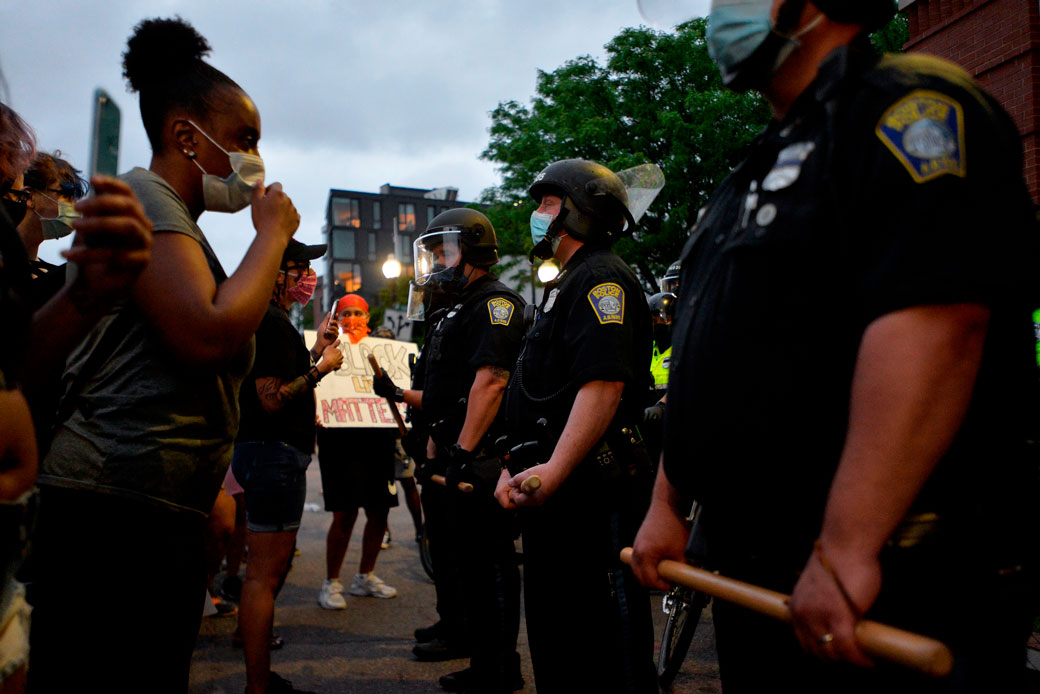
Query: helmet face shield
670, 285
436, 252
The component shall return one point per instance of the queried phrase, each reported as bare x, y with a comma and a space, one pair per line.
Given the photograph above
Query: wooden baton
922, 653
378, 372
531, 484
464, 487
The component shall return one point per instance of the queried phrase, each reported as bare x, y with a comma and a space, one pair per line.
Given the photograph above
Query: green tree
657, 99
893, 36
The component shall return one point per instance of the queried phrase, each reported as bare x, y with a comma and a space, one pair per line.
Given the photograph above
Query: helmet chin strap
546, 248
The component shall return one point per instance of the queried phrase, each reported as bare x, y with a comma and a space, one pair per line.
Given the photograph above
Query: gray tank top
140, 424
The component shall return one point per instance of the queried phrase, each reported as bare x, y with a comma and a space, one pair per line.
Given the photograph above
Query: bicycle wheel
424, 554
684, 612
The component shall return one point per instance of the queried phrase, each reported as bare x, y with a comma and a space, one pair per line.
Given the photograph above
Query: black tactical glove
654, 413
425, 468
459, 461
384, 387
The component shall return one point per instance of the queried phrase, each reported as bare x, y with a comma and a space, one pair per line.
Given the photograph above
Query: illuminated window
377, 215
406, 217
345, 212
348, 276
344, 244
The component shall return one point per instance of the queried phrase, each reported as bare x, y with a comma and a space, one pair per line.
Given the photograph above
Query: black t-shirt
593, 324
888, 185
485, 327
280, 353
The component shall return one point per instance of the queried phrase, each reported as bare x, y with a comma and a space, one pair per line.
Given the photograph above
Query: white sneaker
331, 595
371, 586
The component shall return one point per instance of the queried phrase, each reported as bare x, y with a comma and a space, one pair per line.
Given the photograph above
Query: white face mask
235, 192
60, 226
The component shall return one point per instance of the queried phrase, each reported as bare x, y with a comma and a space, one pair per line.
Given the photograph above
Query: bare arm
485, 396
914, 376
593, 409
274, 393
200, 322
18, 463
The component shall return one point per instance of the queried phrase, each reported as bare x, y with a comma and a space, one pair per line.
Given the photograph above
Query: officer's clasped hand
458, 467
384, 387
654, 413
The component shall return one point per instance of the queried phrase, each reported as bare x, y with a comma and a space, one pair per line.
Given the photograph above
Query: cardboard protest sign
345, 397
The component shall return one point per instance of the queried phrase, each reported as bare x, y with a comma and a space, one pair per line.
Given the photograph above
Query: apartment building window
372, 244
406, 217
348, 276
377, 214
344, 244
431, 212
403, 252
346, 212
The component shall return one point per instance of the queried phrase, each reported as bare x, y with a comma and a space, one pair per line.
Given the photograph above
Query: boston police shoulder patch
608, 301
925, 131
500, 310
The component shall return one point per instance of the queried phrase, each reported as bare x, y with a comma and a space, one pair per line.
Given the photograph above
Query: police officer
578, 391
662, 310
473, 345
878, 238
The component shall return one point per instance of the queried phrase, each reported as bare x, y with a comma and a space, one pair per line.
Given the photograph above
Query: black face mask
15, 210
662, 336
447, 280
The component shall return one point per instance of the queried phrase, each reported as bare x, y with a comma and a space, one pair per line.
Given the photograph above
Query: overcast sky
352, 94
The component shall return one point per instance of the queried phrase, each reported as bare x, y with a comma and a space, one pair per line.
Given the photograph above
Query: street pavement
367, 647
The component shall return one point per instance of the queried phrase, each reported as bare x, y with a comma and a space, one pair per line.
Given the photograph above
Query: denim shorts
274, 475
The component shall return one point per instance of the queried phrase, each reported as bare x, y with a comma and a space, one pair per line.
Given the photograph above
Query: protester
578, 392
119, 237
852, 398
150, 414
272, 452
357, 471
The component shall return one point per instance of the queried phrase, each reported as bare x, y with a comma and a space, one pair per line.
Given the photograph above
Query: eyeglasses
22, 195
297, 273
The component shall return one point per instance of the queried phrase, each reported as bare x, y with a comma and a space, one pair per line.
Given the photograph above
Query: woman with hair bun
150, 413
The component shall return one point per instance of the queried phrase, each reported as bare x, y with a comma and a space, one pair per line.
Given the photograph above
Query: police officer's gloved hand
385, 387
654, 413
423, 470
459, 462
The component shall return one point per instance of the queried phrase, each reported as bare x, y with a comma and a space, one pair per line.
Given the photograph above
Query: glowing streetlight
547, 271
391, 268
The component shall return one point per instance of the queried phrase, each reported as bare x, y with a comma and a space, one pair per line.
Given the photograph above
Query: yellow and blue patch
500, 310
608, 301
925, 131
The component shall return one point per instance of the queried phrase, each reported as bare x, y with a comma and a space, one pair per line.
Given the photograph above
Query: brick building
998, 41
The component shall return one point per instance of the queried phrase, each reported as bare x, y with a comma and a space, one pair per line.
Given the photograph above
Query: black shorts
357, 468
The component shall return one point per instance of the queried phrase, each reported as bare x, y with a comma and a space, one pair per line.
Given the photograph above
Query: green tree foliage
657, 99
893, 36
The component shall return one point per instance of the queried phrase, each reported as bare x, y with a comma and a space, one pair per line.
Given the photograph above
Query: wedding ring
826, 639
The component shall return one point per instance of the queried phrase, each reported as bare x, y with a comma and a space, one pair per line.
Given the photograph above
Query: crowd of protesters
157, 414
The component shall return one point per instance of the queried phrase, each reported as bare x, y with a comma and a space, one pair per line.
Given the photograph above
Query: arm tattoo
274, 393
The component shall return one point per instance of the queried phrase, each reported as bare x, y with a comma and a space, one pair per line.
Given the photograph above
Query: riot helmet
595, 203
662, 307
453, 238
670, 282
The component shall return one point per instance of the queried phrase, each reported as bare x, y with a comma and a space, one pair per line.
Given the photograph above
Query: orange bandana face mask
352, 314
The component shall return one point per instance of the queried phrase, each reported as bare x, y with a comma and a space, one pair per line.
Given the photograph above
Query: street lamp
391, 268
547, 271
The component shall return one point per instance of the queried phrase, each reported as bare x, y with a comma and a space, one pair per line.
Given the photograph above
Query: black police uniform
892, 182
471, 535
588, 620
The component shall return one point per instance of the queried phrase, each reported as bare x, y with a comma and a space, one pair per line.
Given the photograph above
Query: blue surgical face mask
540, 222
738, 28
